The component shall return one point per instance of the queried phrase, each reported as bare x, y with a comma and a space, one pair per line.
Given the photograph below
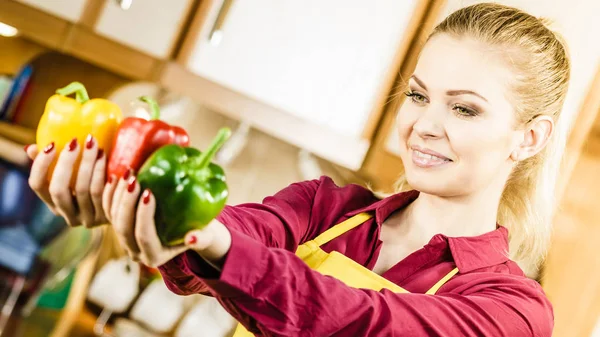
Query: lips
427, 158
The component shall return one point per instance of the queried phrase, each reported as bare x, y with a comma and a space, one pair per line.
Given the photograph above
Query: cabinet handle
216, 33
124, 4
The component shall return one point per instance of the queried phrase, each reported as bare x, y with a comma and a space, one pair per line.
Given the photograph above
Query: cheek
405, 119
480, 144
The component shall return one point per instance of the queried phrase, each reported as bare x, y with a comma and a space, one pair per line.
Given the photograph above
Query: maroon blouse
273, 293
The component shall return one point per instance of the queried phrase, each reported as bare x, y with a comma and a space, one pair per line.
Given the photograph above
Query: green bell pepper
190, 191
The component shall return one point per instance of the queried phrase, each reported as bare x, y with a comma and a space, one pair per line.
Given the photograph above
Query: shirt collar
469, 253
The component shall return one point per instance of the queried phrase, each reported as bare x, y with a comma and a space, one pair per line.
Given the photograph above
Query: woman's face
457, 126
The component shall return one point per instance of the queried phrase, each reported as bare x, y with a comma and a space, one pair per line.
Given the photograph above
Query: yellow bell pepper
66, 118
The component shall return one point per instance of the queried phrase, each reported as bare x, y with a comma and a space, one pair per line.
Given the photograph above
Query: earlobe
514, 156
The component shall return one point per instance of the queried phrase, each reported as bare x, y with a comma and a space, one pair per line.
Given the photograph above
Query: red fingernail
73, 144
100, 154
131, 184
26, 147
146, 196
126, 175
110, 179
49, 148
192, 240
89, 142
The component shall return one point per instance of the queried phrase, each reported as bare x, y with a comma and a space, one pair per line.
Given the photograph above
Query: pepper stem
154, 107
81, 95
205, 157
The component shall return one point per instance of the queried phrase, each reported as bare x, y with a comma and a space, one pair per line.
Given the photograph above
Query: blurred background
309, 87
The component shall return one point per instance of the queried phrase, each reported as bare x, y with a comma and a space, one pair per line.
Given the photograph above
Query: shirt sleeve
272, 292
282, 221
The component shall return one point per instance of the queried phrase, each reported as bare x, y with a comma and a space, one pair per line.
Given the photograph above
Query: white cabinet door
322, 61
151, 26
70, 10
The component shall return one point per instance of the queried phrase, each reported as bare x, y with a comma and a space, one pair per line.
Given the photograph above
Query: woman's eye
464, 111
416, 97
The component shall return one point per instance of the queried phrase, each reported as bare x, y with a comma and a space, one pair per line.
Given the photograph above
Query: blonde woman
477, 133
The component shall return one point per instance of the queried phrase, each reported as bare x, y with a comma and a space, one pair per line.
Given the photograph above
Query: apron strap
341, 228
441, 282
354, 222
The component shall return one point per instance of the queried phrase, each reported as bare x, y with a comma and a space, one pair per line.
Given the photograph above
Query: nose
430, 124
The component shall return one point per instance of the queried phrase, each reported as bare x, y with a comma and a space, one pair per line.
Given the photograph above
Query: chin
439, 183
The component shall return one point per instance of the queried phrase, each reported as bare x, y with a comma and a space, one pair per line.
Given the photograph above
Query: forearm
13, 152
273, 292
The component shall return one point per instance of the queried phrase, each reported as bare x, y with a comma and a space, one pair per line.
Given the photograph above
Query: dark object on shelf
19, 86
26, 223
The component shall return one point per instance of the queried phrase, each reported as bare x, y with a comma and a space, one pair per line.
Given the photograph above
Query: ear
536, 135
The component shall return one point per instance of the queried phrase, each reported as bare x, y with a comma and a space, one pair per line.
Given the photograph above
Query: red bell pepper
138, 138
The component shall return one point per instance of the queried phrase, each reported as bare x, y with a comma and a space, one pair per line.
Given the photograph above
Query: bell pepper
66, 118
138, 138
190, 191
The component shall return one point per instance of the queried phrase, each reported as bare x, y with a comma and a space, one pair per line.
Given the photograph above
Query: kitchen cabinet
322, 64
70, 10
94, 36
150, 26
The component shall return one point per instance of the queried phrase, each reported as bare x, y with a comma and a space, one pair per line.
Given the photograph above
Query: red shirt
273, 293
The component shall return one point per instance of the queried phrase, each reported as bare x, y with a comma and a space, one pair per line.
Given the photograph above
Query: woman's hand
133, 221
82, 206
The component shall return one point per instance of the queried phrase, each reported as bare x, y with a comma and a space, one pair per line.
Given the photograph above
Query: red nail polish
100, 154
89, 142
126, 175
146, 196
131, 184
192, 240
26, 147
49, 148
73, 144
110, 179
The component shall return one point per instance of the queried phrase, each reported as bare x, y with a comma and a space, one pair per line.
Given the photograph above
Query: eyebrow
450, 92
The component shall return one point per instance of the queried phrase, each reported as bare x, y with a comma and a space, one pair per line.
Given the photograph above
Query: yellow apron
343, 268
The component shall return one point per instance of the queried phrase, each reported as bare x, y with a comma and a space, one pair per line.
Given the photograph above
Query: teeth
427, 156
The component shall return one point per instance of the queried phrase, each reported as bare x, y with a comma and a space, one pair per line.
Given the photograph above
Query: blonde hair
541, 65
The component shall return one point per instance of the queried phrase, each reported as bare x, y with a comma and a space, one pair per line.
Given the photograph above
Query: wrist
216, 251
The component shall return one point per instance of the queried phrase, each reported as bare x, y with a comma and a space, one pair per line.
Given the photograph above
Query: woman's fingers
32, 151
60, 190
119, 192
125, 216
145, 230
38, 180
97, 187
108, 195
152, 252
87, 212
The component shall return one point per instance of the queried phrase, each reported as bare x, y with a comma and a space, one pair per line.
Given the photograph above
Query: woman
477, 138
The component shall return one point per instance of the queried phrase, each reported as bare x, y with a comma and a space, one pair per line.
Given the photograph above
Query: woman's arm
272, 291
283, 220
13, 152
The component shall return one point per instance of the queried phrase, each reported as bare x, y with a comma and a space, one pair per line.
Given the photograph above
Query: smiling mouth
427, 160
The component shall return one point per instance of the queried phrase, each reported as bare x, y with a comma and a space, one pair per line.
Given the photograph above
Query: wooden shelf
120, 59
77, 40
36, 25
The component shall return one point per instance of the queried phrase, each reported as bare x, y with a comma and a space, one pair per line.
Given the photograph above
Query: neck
468, 215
